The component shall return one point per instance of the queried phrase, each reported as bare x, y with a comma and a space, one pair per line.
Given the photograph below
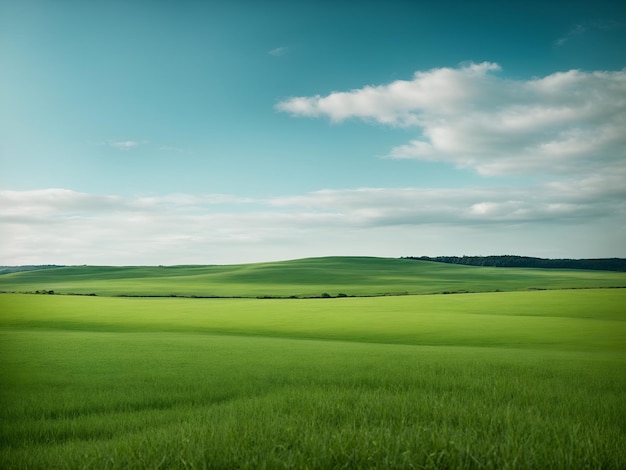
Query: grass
492, 380
575, 320
302, 278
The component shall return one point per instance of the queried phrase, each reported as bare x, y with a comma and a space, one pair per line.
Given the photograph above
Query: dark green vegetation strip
602, 264
339, 276
500, 380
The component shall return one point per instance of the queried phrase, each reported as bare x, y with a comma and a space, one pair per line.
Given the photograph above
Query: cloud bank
565, 123
554, 219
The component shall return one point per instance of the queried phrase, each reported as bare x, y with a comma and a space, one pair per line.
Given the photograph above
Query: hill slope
311, 277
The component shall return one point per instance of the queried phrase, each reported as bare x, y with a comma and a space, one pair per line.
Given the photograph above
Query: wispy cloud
577, 30
565, 123
127, 145
583, 28
278, 51
124, 144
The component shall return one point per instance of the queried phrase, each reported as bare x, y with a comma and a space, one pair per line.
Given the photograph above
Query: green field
532, 379
302, 278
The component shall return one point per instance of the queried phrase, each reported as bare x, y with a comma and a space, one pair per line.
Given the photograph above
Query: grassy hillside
490, 380
576, 320
359, 276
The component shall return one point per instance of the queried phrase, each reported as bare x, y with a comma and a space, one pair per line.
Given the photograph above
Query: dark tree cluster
511, 261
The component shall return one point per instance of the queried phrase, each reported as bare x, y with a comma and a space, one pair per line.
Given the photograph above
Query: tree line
511, 261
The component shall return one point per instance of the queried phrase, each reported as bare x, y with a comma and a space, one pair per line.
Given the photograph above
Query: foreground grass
329, 383
359, 276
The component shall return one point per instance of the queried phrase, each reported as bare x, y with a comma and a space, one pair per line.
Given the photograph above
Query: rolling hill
310, 277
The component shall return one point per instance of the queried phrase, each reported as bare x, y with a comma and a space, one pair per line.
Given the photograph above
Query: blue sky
167, 132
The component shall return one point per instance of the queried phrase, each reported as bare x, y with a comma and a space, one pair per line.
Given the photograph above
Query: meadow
522, 379
312, 277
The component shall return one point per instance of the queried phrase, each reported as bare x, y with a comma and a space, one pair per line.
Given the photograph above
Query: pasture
351, 276
530, 379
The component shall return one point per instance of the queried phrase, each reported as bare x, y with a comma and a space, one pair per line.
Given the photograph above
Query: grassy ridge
302, 278
499, 380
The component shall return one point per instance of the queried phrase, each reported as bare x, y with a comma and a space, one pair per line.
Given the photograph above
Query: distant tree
510, 261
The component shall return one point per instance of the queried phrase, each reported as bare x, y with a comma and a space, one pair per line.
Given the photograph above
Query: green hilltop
310, 277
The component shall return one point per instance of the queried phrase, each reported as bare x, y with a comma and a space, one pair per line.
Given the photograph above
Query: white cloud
565, 128
565, 123
548, 203
399, 103
573, 218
